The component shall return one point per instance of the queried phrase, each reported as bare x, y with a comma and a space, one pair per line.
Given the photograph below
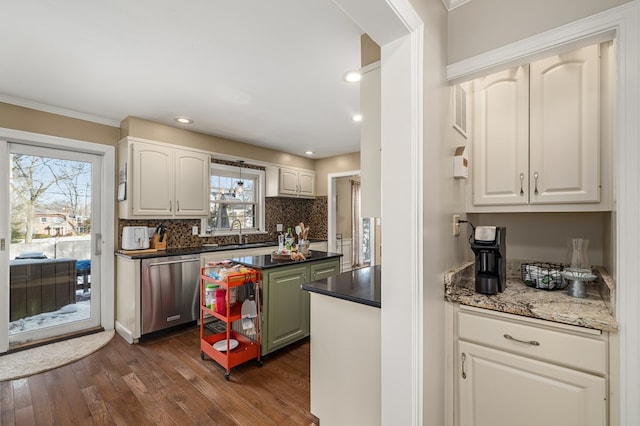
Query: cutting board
142, 251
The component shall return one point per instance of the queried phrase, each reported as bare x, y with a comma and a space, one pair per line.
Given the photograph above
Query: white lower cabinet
511, 372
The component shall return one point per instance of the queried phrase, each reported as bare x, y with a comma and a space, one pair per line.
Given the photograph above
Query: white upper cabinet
500, 160
163, 181
537, 141
565, 128
288, 182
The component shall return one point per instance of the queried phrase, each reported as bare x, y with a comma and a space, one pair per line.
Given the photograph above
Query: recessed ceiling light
352, 76
357, 118
309, 152
183, 120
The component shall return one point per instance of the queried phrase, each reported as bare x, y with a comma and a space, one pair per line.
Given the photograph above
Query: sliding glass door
53, 242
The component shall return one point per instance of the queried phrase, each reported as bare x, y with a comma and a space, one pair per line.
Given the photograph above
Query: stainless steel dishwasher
170, 293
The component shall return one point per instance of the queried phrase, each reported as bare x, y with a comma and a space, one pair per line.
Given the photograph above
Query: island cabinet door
322, 270
498, 388
288, 307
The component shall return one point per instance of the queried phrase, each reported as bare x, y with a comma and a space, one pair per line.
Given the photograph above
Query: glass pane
50, 250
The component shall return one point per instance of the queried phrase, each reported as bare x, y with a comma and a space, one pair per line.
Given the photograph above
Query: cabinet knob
535, 179
521, 184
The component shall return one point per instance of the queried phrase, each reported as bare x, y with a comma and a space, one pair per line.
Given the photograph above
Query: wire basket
544, 276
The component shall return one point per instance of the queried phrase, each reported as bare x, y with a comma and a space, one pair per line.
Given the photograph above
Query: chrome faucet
239, 227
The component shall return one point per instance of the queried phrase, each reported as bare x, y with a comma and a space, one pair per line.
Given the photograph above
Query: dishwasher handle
173, 262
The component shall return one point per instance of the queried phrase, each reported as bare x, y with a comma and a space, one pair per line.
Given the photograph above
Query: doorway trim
106, 240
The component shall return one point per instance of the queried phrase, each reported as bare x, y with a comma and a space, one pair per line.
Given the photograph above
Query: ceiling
264, 72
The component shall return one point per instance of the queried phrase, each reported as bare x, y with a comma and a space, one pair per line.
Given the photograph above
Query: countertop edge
312, 289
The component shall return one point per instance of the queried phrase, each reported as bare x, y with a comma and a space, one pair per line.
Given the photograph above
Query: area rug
42, 358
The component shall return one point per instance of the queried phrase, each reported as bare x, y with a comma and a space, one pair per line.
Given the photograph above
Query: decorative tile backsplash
287, 211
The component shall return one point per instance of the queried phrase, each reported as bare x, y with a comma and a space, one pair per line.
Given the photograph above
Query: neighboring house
58, 224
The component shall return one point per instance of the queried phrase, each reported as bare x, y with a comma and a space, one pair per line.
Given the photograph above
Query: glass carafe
577, 255
578, 270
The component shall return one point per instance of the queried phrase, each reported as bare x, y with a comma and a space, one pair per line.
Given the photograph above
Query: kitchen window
230, 203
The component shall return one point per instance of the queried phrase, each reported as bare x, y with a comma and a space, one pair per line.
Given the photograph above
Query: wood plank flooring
162, 382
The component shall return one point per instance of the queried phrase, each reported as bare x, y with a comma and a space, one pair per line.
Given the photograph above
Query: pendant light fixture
240, 184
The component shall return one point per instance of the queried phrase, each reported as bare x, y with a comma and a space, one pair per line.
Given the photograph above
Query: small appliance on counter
488, 244
135, 238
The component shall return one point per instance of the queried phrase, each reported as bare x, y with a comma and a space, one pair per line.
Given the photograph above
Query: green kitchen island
285, 306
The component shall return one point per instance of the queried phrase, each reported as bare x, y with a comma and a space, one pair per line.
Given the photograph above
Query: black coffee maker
488, 244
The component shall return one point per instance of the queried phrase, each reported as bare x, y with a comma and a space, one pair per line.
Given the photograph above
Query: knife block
157, 244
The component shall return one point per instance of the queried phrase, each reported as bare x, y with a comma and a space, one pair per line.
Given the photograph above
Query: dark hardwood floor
162, 382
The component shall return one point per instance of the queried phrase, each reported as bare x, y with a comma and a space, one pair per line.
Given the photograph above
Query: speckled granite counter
595, 311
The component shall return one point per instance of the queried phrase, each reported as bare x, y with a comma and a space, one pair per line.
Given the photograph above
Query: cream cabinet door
565, 128
306, 183
191, 184
496, 388
288, 181
152, 178
500, 144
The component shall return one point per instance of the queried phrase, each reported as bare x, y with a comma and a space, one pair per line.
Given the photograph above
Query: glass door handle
98, 238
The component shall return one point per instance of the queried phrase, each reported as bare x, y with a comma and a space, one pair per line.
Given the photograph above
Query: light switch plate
279, 227
194, 230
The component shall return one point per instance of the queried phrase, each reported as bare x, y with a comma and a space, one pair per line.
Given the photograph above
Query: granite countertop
264, 261
359, 286
131, 254
595, 311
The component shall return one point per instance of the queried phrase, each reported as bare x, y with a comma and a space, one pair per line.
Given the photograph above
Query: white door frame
399, 30
623, 22
104, 239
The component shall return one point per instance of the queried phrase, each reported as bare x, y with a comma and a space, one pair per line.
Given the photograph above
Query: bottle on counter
288, 240
280, 242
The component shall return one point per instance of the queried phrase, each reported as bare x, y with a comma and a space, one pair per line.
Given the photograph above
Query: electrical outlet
456, 225
194, 230
279, 227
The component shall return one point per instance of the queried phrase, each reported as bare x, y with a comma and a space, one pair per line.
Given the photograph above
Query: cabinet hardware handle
521, 184
178, 205
528, 342
170, 205
535, 178
464, 358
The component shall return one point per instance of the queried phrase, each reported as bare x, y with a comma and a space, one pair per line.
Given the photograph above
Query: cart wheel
227, 376
259, 363
202, 355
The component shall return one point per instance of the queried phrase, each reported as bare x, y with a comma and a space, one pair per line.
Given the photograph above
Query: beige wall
338, 163
482, 25
369, 51
132, 126
543, 236
30, 120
